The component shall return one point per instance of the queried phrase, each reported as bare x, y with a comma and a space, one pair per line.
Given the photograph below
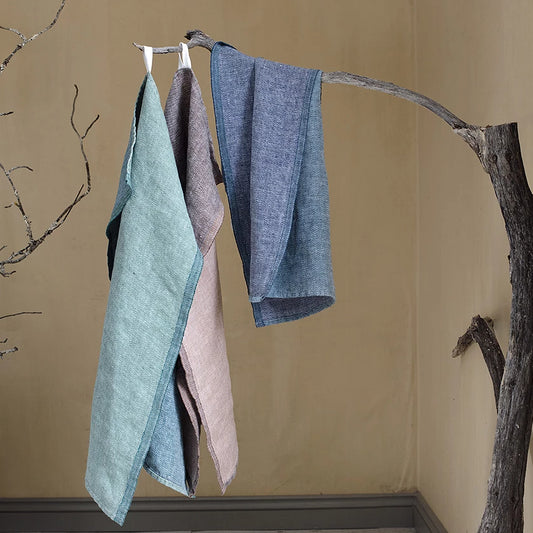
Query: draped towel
269, 128
203, 376
155, 264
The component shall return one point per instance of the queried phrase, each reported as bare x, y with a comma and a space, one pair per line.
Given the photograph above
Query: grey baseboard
228, 513
425, 520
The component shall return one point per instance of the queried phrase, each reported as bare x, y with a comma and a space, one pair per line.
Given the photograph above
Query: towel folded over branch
269, 128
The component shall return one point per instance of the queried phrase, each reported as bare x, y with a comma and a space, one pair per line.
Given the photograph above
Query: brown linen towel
203, 379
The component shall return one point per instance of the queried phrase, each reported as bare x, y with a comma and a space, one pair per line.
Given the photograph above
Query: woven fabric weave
203, 376
269, 128
155, 264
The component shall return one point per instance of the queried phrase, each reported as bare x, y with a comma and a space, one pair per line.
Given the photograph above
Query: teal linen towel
269, 127
155, 264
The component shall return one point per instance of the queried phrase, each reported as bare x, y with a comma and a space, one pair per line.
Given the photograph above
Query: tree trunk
502, 159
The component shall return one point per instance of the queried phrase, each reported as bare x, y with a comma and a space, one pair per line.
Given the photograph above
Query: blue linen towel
269, 128
155, 265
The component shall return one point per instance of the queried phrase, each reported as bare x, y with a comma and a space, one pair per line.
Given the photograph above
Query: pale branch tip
481, 330
195, 37
15, 31
466, 339
161, 49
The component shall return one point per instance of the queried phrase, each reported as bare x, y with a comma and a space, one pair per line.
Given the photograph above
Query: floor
381, 530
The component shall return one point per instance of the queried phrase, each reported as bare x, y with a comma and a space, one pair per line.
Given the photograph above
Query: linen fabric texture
203, 377
155, 263
269, 128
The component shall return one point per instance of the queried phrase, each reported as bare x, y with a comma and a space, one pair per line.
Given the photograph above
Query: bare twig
21, 313
9, 350
3, 341
34, 243
18, 201
481, 331
25, 40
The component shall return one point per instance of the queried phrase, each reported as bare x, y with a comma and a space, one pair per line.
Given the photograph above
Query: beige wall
323, 405
475, 58
327, 404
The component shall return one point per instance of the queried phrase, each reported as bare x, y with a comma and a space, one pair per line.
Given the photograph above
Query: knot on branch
481, 331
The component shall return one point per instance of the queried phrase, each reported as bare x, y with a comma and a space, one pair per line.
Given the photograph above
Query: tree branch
21, 313
18, 201
3, 341
195, 37
199, 38
34, 243
25, 40
481, 331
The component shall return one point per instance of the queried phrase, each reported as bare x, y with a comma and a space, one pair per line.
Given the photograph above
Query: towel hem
167, 482
258, 316
166, 373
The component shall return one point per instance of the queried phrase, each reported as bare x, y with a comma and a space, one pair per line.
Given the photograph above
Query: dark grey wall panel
217, 514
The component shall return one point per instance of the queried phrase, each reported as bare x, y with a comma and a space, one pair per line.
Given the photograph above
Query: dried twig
21, 313
34, 243
25, 40
3, 341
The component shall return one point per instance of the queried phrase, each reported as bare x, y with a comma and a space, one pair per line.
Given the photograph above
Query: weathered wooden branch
481, 331
498, 150
504, 508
